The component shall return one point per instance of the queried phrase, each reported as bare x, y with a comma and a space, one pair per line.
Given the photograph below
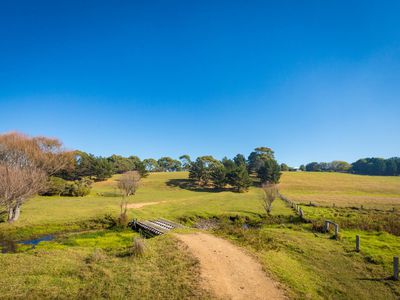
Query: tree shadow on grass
109, 194
189, 184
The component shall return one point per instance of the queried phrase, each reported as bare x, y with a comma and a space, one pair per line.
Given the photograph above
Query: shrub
123, 220
60, 187
270, 193
138, 247
55, 186
78, 188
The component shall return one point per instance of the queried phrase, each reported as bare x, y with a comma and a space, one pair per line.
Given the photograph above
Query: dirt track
228, 271
140, 205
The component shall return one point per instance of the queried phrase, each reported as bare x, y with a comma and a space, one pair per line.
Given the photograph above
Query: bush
60, 187
123, 220
78, 188
55, 186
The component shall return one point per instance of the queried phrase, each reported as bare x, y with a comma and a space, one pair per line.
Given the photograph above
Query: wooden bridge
155, 227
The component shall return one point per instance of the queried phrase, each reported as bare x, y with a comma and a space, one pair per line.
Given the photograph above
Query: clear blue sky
314, 80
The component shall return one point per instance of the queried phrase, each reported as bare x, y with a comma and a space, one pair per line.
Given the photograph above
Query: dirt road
228, 271
142, 204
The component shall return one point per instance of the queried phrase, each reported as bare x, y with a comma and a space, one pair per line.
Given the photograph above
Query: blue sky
314, 80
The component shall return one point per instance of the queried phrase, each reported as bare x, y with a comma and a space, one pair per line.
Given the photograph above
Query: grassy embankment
310, 264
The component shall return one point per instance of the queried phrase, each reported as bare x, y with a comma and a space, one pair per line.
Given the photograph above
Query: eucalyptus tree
185, 161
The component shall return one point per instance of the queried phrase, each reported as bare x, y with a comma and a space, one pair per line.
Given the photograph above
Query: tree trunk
10, 215
17, 211
14, 212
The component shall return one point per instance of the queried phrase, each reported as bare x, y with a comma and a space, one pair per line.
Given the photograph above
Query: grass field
48, 213
92, 262
342, 189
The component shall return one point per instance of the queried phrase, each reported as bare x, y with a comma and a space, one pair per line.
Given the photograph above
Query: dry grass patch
342, 189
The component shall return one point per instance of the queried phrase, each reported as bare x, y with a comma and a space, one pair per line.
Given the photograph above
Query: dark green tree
257, 158
218, 176
369, 166
391, 167
270, 172
87, 165
101, 169
239, 178
229, 164
201, 169
313, 167
121, 164
240, 160
378, 166
284, 167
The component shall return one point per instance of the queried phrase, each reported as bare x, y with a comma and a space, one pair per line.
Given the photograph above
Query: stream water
10, 246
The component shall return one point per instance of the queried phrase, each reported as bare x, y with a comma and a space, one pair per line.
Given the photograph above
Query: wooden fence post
357, 243
326, 226
396, 268
336, 230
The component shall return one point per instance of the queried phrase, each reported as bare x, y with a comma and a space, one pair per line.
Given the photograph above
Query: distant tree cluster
101, 168
86, 168
364, 166
235, 173
286, 168
377, 166
334, 166
167, 164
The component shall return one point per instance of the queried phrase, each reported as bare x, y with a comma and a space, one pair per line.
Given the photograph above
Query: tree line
87, 168
101, 168
205, 170
364, 166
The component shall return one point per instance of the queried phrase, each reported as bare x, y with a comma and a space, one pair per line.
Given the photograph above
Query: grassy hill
339, 189
92, 261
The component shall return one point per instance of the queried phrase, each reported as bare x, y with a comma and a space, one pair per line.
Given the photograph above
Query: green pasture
87, 260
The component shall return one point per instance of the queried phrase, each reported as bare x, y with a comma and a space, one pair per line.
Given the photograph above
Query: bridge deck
154, 227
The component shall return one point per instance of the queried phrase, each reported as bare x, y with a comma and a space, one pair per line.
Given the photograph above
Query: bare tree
25, 164
270, 193
128, 184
